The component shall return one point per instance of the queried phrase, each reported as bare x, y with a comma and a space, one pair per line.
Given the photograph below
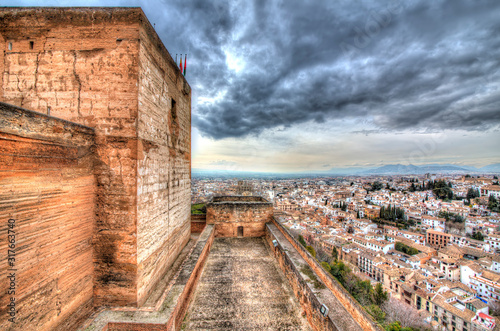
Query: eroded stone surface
241, 288
106, 68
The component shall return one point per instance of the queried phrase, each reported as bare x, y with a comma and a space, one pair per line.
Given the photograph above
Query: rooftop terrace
242, 288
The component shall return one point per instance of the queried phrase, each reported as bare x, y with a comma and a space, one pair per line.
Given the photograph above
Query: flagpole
185, 63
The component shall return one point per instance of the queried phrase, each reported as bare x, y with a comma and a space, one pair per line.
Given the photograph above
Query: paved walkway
241, 288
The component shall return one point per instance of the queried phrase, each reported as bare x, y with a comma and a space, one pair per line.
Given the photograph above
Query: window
10, 46
32, 43
173, 109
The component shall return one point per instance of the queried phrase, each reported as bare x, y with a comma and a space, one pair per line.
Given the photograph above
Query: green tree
376, 186
376, 312
442, 190
311, 250
493, 204
478, 236
335, 253
302, 241
472, 193
326, 266
379, 295
399, 246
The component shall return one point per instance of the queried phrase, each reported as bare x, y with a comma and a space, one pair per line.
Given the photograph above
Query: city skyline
289, 87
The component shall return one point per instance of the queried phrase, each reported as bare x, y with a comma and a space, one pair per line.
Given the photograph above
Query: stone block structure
106, 70
47, 219
239, 216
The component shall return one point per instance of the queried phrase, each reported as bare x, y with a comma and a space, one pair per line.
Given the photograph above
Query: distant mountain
411, 169
346, 171
444, 168
491, 168
389, 169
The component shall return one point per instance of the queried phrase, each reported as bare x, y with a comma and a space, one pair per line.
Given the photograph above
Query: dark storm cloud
425, 65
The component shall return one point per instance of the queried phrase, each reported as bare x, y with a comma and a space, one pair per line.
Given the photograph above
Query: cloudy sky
312, 85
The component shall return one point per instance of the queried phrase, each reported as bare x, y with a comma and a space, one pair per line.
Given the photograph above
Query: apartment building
437, 239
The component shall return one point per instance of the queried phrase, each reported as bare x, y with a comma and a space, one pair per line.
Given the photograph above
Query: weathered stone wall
49, 190
308, 300
84, 67
164, 161
229, 213
198, 222
179, 296
107, 68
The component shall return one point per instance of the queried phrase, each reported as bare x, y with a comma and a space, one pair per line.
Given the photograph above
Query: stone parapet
239, 216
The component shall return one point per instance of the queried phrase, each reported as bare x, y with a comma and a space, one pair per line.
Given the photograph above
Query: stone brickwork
164, 161
198, 222
107, 68
48, 188
239, 216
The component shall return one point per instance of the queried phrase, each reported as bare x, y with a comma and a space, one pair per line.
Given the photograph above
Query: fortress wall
309, 301
164, 161
107, 68
231, 214
84, 67
348, 302
198, 222
48, 191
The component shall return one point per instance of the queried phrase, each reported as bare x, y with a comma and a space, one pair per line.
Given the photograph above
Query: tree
472, 193
494, 308
335, 253
379, 295
403, 313
376, 186
442, 190
326, 266
311, 250
376, 312
302, 241
493, 204
478, 236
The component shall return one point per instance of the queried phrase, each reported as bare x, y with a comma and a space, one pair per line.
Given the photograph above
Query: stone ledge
172, 310
31, 124
238, 199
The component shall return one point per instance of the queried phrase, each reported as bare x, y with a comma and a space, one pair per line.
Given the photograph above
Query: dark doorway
240, 231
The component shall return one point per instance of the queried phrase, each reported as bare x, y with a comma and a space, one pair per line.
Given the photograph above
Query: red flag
180, 66
185, 63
